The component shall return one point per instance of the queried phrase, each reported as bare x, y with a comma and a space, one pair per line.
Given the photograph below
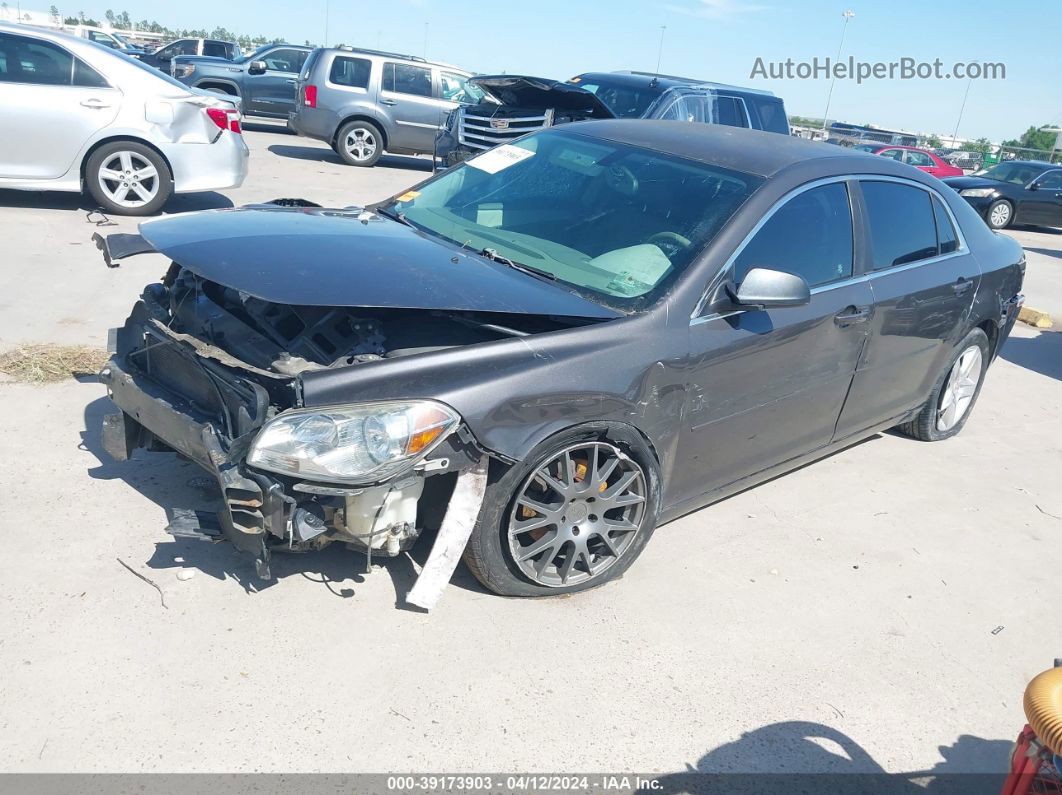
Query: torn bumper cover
177, 393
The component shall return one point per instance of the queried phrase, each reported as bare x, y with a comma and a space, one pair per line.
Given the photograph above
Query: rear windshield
627, 102
772, 114
613, 222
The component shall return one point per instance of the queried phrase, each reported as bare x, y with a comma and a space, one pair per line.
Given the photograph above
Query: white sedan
78, 116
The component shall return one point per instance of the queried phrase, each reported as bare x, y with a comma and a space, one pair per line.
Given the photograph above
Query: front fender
515, 393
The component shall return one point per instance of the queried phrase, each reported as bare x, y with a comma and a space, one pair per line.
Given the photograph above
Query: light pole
847, 14
660, 49
962, 108
327, 3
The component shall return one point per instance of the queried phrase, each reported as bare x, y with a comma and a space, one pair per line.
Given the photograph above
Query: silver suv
362, 102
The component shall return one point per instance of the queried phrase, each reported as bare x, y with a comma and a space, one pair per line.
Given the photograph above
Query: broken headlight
366, 442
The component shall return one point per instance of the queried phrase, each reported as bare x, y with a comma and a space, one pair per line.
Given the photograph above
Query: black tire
488, 553
162, 181
366, 131
1000, 214
924, 425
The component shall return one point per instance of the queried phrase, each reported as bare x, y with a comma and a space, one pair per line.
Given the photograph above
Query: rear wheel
127, 178
956, 391
573, 516
1000, 214
359, 143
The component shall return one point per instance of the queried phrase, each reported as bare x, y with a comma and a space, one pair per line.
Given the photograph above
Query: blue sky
711, 39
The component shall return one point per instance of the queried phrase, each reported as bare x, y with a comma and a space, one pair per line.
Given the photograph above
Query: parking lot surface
895, 597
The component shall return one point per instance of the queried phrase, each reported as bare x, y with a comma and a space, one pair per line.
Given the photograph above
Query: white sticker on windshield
500, 157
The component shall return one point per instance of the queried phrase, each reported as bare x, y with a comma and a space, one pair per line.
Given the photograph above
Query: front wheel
956, 391
999, 214
574, 515
128, 178
359, 143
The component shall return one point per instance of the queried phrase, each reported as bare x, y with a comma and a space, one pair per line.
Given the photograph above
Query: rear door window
902, 226
810, 236
216, 49
772, 114
1052, 180
403, 78
917, 159
351, 72
26, 60
730, 111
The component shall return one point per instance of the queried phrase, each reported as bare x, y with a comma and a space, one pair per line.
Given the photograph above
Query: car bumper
313, 123
208, 166
174, 394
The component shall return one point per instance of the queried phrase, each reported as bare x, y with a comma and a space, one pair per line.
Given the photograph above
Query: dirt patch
46, 364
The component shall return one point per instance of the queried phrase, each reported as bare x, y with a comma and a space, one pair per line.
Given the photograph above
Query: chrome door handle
388, 102
95, 103
293, 80
852, 315
962, 286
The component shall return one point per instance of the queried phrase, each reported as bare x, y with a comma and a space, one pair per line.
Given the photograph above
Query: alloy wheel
360, 144
128, 179
960, 388
1000, 214
577, 514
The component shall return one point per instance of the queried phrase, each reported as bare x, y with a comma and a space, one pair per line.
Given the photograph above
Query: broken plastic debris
185, 574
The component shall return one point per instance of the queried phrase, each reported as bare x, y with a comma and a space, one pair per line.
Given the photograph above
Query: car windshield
156, 73
627, 102
1014, 173
615, 223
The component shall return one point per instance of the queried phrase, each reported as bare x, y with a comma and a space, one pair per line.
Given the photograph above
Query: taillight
309, 96
225, 118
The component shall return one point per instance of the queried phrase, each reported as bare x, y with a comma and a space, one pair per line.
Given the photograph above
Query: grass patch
47, 364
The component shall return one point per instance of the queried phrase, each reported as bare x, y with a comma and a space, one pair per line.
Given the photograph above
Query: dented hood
350, 257
540, 92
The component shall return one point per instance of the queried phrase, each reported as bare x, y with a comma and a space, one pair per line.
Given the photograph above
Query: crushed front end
213, 374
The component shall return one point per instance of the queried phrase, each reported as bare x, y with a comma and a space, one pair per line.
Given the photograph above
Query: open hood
541, 92
349, 257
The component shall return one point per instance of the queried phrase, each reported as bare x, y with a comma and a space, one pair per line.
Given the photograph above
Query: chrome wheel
960, 388
128, 179
360, 144
999, 214
577, 514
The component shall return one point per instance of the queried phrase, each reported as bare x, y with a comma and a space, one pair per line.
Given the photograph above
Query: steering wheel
622, 180
671, 243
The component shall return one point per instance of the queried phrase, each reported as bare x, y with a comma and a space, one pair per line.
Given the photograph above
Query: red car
912, 156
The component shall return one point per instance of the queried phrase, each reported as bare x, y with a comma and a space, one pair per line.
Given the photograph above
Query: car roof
751, 151
664, 82
345, 49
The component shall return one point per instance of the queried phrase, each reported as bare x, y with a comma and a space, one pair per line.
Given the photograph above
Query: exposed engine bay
289, 339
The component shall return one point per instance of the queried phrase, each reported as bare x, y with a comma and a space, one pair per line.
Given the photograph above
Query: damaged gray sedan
546, 351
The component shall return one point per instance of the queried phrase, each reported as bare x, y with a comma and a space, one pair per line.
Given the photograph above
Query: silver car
362, 102
79, 116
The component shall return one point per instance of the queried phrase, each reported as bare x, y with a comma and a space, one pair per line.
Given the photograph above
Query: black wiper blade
494, 256
394, 215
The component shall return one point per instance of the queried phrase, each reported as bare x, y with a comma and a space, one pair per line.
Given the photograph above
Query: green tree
982, 145
110, 16
54, 11
933, 142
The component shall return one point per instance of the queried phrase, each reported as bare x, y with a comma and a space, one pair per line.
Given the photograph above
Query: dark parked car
264, 80
515, 105
214, 48
557, 345
1014, 192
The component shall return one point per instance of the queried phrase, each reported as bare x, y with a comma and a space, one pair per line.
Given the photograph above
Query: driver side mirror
256, 68
763, 288
1034, 185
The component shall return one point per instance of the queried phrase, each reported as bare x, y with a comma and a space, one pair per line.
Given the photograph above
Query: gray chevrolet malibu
540, 355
